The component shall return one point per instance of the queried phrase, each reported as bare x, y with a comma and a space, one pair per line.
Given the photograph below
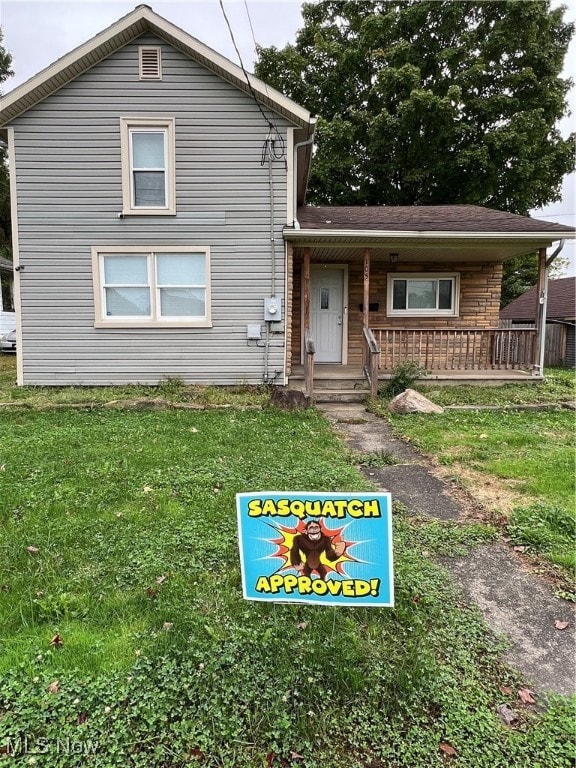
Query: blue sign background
267, 527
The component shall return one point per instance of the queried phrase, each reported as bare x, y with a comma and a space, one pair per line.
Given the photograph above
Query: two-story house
160, 230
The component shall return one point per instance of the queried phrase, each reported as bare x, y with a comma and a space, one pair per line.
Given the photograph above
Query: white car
8, 342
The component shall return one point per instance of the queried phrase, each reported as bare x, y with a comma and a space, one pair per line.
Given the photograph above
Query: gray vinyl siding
68, 168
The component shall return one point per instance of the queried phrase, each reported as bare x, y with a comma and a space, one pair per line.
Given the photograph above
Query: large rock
411, 401
289, 399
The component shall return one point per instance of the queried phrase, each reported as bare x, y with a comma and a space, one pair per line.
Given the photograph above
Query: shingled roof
561, 304
425, 218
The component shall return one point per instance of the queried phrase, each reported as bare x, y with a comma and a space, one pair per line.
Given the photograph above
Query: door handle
339, 319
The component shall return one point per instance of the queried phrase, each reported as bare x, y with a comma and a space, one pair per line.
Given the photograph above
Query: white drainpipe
295, 183
543, 306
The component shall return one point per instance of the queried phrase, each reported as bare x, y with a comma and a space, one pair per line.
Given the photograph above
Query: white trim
375, 234
290, 177
15, 256
153, 321
453, 312
156, 124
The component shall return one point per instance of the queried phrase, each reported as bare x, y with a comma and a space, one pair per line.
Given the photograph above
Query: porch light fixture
393, 258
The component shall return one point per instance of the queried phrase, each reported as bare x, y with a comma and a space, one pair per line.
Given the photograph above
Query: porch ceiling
417, 249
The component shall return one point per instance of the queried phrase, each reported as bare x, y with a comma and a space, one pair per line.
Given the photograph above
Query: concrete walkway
514, 602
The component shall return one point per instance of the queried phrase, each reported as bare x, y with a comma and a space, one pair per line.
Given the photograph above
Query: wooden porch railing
309, 350
456, 349
371, 354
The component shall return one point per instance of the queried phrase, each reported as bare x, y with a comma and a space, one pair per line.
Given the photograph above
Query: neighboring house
560, 318
161, 231
7, 313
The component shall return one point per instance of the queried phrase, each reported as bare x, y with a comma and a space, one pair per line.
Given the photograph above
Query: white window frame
423, 276
166, 126
101, 320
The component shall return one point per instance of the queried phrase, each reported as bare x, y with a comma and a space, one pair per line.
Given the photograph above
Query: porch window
415, 295
148, 186
168, 287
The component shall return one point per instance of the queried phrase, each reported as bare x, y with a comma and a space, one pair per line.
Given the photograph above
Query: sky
37, 32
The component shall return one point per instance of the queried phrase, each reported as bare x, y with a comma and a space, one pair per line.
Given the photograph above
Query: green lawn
125, 640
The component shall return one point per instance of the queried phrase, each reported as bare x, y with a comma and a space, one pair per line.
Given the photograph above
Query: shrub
403, 377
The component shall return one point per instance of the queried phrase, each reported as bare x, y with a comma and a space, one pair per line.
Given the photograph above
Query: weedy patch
549, 529
448, 538
377, 459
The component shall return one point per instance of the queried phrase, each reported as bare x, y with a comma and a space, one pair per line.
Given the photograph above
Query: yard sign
321, 548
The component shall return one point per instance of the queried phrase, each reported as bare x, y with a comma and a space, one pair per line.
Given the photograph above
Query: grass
169, 391
559, 385
125, 639
521, 463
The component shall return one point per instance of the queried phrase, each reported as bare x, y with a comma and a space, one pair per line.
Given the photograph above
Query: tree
431, 101
5, 234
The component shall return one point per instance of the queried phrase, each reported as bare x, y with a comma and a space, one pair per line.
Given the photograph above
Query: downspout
295, 183
542, 310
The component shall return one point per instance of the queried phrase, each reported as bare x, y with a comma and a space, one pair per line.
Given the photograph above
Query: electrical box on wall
273, 309
253, 332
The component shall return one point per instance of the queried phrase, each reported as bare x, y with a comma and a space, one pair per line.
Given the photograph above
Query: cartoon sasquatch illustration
312, 543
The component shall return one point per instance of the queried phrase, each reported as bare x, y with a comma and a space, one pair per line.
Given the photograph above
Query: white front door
327, 313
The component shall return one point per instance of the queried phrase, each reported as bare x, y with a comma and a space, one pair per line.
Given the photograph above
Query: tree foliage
431, 101
5, 235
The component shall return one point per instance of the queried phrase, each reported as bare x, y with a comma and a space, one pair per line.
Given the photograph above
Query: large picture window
423, 294
164, 286
148, 186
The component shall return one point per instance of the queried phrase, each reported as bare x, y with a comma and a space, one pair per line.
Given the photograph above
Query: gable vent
150, 62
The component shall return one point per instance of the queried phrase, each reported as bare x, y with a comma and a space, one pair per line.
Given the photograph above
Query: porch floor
326, 371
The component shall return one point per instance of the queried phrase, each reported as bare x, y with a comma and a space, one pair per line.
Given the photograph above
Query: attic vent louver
150, 62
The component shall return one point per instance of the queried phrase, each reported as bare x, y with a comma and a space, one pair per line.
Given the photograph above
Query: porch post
366, 304
306, 280
541, 290
307, 338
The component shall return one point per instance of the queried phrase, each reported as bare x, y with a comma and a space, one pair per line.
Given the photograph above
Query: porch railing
456, 349
371, 356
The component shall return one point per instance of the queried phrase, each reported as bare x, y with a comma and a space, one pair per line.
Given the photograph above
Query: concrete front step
340, 395
334, 390
347, 383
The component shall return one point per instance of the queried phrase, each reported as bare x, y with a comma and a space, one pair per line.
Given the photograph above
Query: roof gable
141, 21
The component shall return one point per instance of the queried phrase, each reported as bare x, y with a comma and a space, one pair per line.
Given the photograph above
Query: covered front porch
362, 303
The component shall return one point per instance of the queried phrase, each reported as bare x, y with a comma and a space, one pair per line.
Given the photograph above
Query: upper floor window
423, 294
148, 184
162, 286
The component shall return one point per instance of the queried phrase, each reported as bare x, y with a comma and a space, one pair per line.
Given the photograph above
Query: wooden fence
555, 352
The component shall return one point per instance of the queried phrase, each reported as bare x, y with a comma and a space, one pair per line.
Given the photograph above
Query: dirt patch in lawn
495, 498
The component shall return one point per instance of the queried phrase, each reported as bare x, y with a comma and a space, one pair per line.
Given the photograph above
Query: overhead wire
277, 155
270, 143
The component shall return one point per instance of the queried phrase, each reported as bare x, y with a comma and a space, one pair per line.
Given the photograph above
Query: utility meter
273, 309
